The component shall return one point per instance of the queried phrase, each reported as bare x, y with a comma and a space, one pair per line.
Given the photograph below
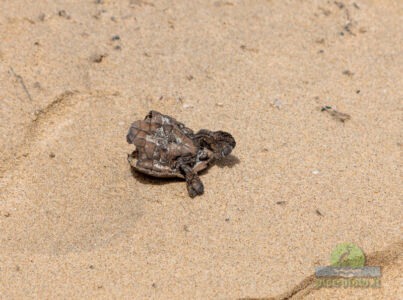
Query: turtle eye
226, 149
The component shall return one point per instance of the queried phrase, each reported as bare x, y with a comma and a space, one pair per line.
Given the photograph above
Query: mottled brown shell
160, 142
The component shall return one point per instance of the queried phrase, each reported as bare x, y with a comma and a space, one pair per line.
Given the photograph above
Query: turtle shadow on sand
227, 162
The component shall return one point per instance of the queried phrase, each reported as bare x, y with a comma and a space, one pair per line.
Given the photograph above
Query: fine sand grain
311, 91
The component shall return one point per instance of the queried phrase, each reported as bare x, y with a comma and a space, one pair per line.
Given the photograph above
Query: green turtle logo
347, 255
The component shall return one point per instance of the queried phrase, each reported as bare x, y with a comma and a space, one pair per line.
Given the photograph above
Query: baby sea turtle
167, 148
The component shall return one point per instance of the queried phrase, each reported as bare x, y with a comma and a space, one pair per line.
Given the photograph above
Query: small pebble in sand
115, 38
348, 73
320, 41
339, 4
227, 220
7, 214
363, 30
187, 106
245, 48
318, 213
63, 14
117, 48
52, 155
277, 103
338, 116
347, 28
97, 58
315, 172
281, 202
220, 104
42, 17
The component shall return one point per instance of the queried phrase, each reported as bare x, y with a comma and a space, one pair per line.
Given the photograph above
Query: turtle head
220, 142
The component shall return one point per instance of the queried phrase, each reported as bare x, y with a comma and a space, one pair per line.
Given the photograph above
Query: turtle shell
161, 144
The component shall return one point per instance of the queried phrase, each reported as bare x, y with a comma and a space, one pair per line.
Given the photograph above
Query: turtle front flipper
193, 183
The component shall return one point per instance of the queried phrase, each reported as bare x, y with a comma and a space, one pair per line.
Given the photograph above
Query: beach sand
76, 222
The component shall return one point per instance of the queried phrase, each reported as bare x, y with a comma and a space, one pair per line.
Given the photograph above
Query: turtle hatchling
167, 148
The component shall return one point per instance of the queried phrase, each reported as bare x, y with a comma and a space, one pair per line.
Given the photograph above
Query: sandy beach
311, 92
